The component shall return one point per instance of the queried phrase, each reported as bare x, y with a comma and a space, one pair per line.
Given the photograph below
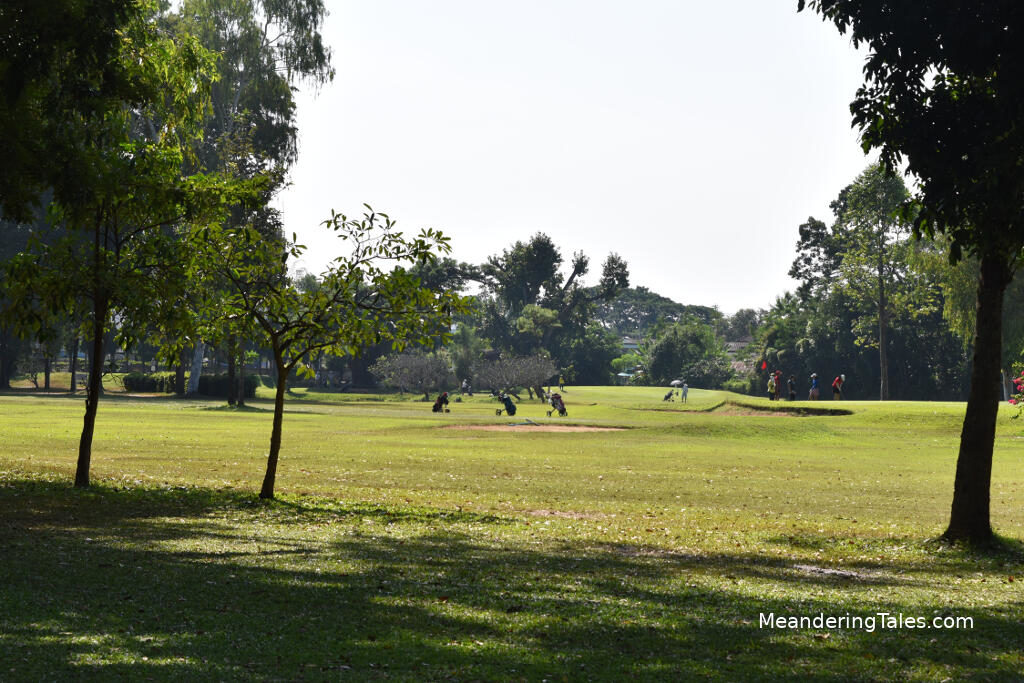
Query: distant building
733, 350
630, 345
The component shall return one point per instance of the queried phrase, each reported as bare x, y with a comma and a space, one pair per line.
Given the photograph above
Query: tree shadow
197, 583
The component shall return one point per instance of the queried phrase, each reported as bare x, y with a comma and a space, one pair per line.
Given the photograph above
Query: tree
944, 90
59, 64
118, 248
466, 350
510, 372
533, 307
959, 285
740, 325
417, 370
875, 257
681, 348
266, 48
357, 302
636, 310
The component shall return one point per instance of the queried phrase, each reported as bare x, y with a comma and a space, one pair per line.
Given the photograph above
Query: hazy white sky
692, 138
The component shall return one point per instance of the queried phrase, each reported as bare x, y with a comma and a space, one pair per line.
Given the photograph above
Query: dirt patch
533, 428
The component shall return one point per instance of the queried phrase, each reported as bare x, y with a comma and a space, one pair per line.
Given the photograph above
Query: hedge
217, 385
149, 382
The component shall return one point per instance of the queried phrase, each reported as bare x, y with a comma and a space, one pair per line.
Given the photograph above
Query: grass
400, 549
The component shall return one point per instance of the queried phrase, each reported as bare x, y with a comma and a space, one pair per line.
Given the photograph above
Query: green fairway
647, 542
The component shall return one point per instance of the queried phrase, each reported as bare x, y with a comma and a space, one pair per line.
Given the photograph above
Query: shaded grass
403, 550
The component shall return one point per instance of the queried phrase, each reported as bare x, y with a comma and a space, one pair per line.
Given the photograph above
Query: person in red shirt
837, 388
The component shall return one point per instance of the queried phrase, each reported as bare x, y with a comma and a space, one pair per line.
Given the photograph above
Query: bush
149, 382
737, 386
217, 385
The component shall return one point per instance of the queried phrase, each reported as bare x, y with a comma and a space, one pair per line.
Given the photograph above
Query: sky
691, 138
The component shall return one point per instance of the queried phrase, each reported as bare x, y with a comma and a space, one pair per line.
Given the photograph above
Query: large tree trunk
969, 518
46, 373
92, 396
269, 478
197, 369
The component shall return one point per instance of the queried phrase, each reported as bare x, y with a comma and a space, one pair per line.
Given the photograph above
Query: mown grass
403, 549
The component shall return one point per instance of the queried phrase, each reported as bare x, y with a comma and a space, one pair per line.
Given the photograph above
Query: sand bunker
734, 410
534, 428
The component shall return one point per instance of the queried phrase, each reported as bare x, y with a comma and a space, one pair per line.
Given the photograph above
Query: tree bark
232, 389
883, 336
46, 373
267, 492
179, 374
969, 518
241, 376
196, 370
92, 395
74, 364
5, 363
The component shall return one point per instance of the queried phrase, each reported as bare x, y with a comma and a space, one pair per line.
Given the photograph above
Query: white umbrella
676, 383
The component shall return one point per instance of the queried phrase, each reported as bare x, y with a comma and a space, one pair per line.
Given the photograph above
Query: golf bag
510, 407
557, 405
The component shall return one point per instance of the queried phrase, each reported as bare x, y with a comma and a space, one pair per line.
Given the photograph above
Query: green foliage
60, 65
149, 382
466, 349
739, 385
687, 346
708, 373
589, 355
217, 385
862, 280
358, 302
637, 310
532, 307
627, 362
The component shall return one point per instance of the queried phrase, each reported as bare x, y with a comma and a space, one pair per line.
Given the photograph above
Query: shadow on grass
247, 408
195, 583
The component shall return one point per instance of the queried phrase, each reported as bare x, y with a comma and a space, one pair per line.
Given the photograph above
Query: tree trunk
92, 395
196, 370
883, 339
46, 373
74, 364
969, 517
5, 353
232, 389
267, 492
241, 376
179, 374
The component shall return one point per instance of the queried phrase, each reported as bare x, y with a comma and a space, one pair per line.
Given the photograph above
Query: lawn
417, 546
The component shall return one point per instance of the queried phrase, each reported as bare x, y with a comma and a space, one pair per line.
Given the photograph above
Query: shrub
217, 385
149, 382
737, 386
